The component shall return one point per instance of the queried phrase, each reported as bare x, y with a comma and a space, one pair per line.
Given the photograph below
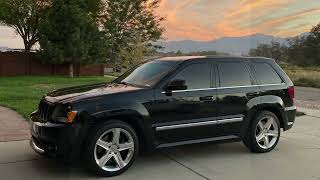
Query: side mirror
177, 84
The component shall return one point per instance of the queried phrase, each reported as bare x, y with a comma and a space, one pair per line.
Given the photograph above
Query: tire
102, 147
264, 133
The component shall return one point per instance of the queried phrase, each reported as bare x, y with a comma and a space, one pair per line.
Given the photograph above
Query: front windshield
147, 74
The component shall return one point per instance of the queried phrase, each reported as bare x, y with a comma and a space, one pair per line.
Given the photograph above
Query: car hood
87, 91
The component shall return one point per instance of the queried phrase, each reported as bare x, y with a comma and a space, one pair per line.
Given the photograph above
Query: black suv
166, 102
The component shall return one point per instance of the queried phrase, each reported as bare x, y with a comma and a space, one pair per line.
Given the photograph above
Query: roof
181, 58
191, 58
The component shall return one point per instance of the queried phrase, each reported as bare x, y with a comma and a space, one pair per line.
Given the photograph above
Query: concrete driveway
297, 156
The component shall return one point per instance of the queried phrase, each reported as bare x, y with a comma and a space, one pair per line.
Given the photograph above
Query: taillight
291, 92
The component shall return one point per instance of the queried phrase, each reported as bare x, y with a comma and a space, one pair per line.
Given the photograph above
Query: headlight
71, 116
64, 114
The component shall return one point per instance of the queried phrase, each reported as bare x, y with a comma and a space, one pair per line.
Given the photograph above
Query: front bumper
35, 147
55, 140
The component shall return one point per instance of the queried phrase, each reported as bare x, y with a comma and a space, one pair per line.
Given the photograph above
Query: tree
273, 50
134, 53
296, 51
24, 16
312, 44
70, 34
304, 50
123, 19
179, 53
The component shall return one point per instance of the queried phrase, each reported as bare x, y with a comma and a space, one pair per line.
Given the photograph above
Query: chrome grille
45, 110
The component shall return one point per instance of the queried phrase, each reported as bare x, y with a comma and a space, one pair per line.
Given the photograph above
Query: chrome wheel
114, 149
267, 132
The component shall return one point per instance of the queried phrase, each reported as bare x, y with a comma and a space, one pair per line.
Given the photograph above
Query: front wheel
264, 133
111, 148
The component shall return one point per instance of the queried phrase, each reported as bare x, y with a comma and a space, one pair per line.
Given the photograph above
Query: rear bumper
290, 116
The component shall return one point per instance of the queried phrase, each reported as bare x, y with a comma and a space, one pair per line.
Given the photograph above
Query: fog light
71, 116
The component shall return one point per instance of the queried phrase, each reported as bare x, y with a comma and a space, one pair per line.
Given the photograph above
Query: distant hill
231, 45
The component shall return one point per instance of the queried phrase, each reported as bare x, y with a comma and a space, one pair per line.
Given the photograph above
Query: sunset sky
211, 19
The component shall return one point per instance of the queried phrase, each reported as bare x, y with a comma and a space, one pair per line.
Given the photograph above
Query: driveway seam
300, 132
13, 162
313, 116
21, 140
185, 166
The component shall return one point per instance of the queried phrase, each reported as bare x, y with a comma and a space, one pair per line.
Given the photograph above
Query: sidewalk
13, 126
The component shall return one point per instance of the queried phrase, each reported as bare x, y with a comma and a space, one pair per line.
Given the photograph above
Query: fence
15, 64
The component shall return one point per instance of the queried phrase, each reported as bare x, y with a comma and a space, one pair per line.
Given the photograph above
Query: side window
266, 74
197, 76
233, 74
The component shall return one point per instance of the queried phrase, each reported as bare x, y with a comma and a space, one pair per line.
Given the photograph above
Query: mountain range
230, 45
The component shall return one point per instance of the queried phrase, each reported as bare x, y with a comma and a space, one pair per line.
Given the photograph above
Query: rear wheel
264, 133
112, 148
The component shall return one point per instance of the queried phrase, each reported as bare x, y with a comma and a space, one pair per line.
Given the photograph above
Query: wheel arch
270, 103
137, 121
275, 108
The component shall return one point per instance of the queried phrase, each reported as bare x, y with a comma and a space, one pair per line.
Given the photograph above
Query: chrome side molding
231, 120
231, 87
196, 124
178, 126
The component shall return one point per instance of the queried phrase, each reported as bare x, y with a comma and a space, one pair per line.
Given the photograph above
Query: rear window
266, 74
233, 74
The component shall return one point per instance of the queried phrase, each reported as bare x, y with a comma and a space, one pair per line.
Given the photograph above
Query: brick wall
15, 64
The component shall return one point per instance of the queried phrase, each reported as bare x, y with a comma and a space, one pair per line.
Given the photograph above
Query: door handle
253, 94
207, 98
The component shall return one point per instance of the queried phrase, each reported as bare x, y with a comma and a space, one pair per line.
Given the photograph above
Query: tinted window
197, 76
266, 74
233, 74
147, 74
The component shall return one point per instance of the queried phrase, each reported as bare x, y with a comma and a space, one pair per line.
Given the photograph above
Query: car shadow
148, 162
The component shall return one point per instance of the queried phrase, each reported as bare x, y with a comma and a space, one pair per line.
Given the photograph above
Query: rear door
236, 88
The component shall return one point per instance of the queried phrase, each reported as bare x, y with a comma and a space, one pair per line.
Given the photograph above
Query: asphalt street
308, 94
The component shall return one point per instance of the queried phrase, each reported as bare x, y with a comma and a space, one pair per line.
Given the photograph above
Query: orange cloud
179, 26
248, 6
207, 20
291, 17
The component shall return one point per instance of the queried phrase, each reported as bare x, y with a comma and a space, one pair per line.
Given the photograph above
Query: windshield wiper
124, 83
130, 84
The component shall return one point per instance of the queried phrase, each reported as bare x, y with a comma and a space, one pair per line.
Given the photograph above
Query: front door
185, 115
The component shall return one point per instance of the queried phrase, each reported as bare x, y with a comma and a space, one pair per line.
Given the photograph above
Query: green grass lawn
23, 93
115, 74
